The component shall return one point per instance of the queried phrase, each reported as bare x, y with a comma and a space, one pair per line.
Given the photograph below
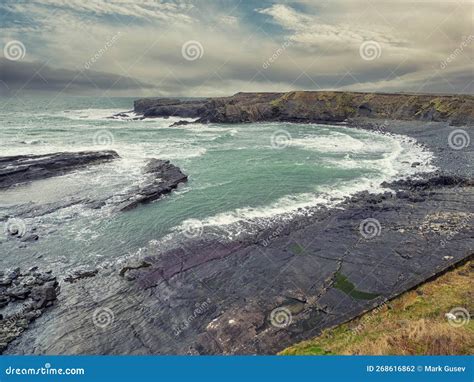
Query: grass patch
411, 324
343, 284
296, 249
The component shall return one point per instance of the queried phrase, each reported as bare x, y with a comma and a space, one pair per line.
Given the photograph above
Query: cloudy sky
209, 48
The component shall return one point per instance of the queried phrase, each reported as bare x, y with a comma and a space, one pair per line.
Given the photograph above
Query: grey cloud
33, 76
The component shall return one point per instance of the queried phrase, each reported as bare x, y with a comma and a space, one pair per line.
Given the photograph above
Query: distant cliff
309, 106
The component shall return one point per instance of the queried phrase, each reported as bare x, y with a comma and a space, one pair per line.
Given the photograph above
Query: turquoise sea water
241, 177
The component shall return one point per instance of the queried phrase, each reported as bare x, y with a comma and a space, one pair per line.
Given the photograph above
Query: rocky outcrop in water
162, 178
310, 106
20, 169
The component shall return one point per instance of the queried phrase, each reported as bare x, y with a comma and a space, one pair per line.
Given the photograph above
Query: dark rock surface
125, 271
309, 106
25, 168
79, 274
23, 298
126, 115
165, 107
162, 178
180, 123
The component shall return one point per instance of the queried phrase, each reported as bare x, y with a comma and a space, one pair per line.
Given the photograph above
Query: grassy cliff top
413, 324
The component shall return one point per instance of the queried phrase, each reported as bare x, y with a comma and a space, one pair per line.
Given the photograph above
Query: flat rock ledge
20, 169
162, 178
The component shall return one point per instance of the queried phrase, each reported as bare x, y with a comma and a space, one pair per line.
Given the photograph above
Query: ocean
242, 177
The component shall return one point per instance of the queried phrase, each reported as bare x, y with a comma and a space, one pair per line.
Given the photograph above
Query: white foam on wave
394, 164
183, 153
332, 143
88, 114
92, 114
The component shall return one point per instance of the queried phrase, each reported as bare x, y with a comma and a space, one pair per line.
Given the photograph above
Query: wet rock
18, 292
8, 276
95, 205
30, 238
44, 294
403, 194
162, 178
123, 115
46, 276
26, 168
28, 296
180, 123
81, 274
433, 181
132, 266
416, 198
33, 314
4, 300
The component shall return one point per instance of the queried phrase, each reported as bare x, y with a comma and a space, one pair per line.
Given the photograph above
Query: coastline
231, 289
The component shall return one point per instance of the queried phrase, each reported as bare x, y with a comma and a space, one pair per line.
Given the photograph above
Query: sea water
242, 177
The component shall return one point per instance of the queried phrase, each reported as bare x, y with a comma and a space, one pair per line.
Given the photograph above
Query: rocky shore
313, 107
24, 296
267, 291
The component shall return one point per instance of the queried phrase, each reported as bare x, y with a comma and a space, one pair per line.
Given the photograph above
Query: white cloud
311, 31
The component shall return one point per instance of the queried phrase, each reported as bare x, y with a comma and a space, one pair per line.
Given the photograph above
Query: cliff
309, 106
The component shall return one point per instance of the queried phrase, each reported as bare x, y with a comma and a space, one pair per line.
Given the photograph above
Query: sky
218, 48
